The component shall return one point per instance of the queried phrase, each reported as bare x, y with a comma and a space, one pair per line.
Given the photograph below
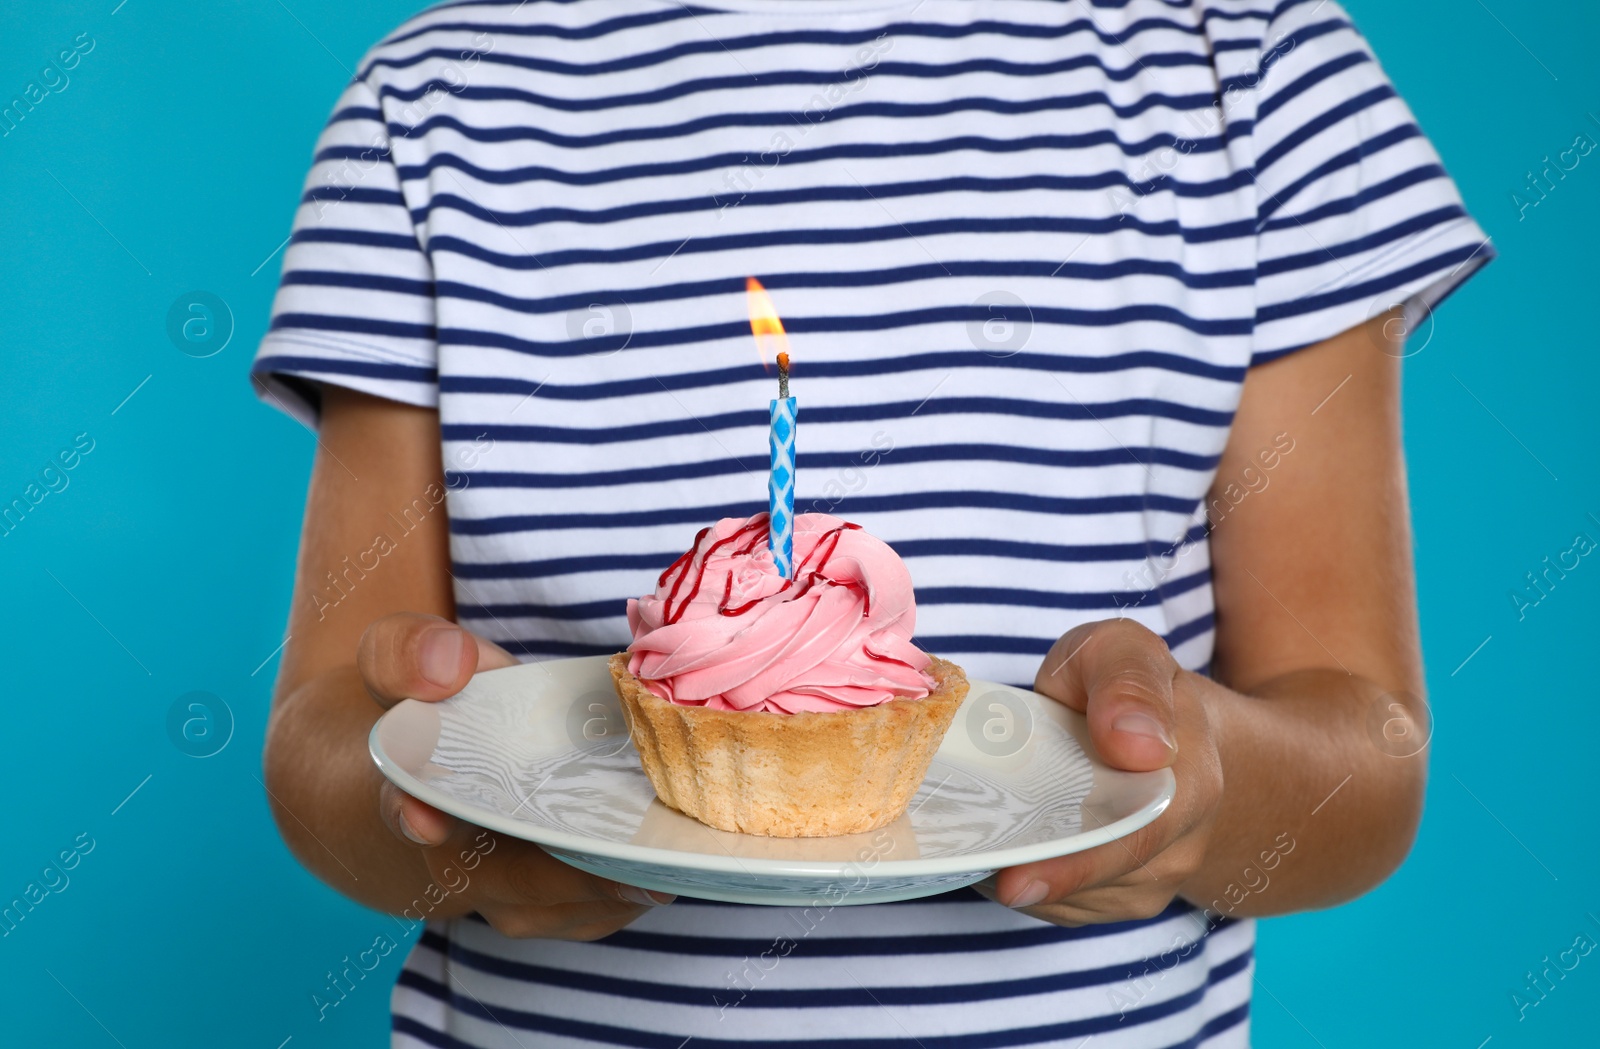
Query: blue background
172, 162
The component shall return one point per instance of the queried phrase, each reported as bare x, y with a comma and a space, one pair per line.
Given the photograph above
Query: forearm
323, 790
1318, 804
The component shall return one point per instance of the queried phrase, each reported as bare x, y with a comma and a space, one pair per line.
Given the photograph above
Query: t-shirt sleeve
355, 300
1355, 213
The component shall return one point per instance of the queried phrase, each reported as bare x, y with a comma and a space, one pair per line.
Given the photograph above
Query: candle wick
783, 376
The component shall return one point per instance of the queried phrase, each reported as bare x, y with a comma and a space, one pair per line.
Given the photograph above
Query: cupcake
786, 707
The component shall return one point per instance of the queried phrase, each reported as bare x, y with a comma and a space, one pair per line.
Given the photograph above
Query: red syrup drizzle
831, 542
757, 524
698, 536
754, 532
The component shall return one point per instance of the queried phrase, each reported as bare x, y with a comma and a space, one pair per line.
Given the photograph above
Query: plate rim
711, 863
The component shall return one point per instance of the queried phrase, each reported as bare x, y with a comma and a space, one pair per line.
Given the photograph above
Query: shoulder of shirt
457, 16
1274, 19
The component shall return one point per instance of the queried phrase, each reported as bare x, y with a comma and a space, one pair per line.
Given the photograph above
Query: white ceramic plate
540, 751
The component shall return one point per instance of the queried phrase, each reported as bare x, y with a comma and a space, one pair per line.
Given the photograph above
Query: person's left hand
1144, 713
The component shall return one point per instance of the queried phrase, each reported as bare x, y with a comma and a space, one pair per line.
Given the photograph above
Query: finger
1117, 902
413, 820
407, 655
1051, 881
491, 656
578, 921
516, 872
1120, 675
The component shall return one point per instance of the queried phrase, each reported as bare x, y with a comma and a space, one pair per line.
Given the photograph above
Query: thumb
1120, 676
406, 655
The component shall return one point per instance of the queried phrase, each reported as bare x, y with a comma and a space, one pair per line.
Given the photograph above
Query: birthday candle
768, 332
780, 479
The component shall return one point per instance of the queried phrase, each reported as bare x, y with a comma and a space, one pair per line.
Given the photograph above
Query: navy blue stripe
680, 471
593, 31
344, 194
362, 281
535, 173
1305, 34
1480, 257
1314, 127
1376, 239
858, 504
985, 643
1368, 289
994, 644
705, 202
871, 367
357, 325
612, 609
875, 946
823, 414
1306, 81
346, 114
1368, 194
1013, 598
561, 649
1207, 14
802, 78
411, 1028
1237, 964
362, 237
778, 238
908, 548
838, 997
1190, 630
612, 1034
800, 118
740, 330
1215, 1026
1077, 457
762, 41
927, 597
1075, 552
1176, 5
557, 566
322, 365
964, 895
433, 989
1045, 269
1032, 224
1349, 158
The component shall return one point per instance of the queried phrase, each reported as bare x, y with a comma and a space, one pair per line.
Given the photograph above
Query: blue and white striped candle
769, 335
780, 479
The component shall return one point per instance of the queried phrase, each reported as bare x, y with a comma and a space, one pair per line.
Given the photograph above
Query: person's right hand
518, 888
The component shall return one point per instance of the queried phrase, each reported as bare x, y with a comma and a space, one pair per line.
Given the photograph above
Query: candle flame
764, 323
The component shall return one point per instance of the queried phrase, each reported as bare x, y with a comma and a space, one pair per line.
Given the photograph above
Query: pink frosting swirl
725, 630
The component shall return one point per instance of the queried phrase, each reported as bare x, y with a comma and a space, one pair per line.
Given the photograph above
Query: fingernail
1031, 894
411, 832
1136, 723
634, 894
440, 655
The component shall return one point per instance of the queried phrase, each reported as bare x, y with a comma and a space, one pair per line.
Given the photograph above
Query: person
1097, 314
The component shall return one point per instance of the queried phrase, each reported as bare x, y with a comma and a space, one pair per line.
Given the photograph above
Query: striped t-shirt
1026, 251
